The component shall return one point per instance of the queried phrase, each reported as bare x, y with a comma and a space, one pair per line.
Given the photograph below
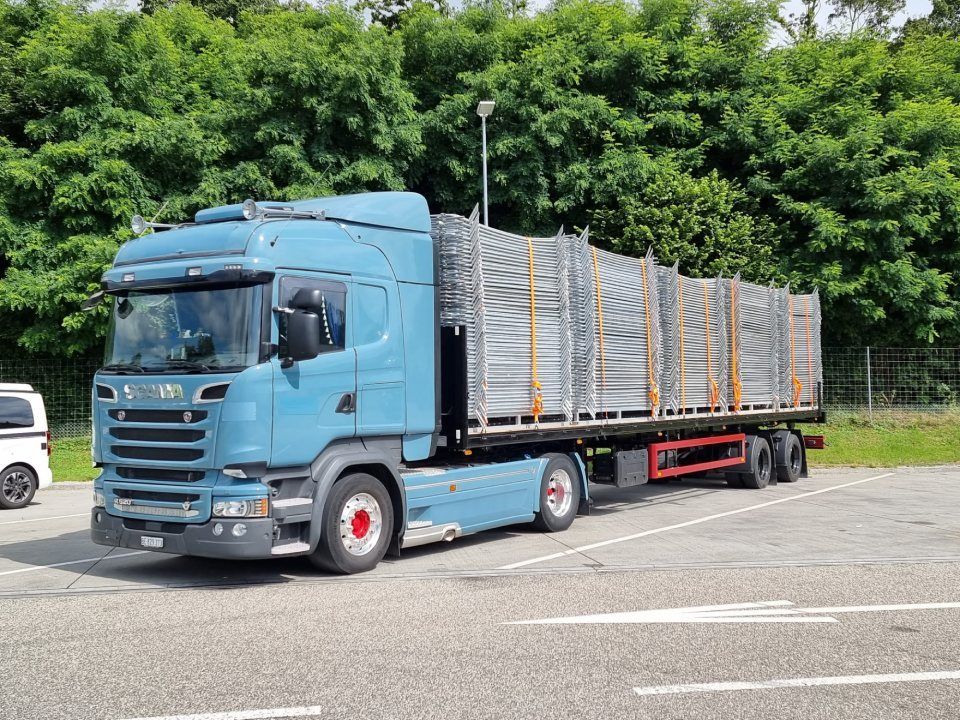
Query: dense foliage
830, 159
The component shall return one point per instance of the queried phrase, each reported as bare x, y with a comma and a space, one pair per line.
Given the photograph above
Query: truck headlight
98, 499
240, 508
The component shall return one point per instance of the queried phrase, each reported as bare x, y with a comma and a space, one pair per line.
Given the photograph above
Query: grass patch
71, 460
889, 439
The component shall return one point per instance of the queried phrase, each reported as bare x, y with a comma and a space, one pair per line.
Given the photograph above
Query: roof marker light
128, 277
249, 209
194, 271
233, 266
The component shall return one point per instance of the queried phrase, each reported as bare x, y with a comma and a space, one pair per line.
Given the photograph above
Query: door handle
347, 404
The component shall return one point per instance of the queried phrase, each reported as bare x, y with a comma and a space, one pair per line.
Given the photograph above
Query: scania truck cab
276, 383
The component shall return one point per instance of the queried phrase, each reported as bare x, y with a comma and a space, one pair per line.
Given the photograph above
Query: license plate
151, 542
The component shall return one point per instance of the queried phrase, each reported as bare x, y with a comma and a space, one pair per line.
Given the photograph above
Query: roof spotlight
138, 225
249, 209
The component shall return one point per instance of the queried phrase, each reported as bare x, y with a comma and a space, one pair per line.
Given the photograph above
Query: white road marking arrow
770, 611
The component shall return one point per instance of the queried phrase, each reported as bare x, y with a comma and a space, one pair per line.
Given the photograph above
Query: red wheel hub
360, 524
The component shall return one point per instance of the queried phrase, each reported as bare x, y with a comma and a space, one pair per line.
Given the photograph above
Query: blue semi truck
277, 383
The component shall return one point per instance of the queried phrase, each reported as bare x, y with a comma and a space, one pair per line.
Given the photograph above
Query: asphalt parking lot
833, 597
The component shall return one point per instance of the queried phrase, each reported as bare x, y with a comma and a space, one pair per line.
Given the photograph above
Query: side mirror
91, 302
307, 299
303, 335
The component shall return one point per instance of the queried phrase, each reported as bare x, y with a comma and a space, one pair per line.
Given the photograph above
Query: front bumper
186, 539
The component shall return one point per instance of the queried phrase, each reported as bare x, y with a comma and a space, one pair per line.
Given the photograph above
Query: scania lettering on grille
157, 391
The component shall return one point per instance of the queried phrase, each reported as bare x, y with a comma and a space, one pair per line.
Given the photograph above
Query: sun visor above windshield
195, 241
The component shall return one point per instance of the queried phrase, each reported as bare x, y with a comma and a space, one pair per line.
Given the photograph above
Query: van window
15, 413
332, 311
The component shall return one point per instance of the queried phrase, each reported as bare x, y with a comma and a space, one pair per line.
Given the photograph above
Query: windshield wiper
187, 365
123, 367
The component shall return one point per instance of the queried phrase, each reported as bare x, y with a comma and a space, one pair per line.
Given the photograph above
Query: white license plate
151, 542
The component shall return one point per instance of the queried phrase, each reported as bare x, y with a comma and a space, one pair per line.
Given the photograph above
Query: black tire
559, 494
355, 499
18, 485
734, 480
759, 463
793, 459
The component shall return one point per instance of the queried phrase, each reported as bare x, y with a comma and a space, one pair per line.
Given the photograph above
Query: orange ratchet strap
535, 382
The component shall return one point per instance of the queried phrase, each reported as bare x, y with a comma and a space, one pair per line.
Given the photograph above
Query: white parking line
688, 523
39, 519
794, 683
34, 568
291, 712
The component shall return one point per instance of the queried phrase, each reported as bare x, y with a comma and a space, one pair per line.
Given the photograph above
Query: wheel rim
559, 493
361, 524
795, 459
16, 487
763, 466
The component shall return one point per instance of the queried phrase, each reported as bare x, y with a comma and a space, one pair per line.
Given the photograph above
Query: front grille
157, 510
156, 435
157, 416
138, 473
138, 452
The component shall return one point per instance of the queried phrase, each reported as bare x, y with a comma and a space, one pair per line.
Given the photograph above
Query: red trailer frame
654, 451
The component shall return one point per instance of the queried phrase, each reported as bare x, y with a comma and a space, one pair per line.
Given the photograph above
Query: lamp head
485, 108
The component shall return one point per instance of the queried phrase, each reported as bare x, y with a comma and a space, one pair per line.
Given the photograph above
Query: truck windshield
184, 330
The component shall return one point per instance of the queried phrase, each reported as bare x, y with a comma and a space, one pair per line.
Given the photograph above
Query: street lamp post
485, 110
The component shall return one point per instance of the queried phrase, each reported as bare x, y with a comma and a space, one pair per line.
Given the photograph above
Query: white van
24, 445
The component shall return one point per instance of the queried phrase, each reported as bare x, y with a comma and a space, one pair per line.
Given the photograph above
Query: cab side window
332, 311
15, 413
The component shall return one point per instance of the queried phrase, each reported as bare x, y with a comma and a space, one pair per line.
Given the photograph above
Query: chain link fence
857, 379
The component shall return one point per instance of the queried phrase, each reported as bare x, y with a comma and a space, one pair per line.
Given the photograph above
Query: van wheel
18, 485
357, 526
559, 494
759, 462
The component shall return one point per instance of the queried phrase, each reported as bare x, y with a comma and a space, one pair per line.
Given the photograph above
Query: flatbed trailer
323, 379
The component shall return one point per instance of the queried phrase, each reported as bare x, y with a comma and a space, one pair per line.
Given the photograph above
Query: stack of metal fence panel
583, 324
559, 331
621, 357
461, 295
695, 351
781, 300
511, 293
754, 363
526, 290
804, 346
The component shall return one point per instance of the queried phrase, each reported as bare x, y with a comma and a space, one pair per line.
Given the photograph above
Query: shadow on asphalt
159, 569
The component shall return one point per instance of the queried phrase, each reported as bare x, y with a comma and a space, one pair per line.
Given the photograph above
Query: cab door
315, 401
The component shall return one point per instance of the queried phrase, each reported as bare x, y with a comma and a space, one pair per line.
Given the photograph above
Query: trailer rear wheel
792, 466
759, 463
559, 494
357, 526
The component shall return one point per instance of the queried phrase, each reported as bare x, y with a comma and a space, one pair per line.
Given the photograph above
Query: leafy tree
123, 112
871, 15
676, 124
229, 10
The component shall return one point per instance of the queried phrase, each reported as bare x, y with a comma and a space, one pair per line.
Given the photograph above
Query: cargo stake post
344, 376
